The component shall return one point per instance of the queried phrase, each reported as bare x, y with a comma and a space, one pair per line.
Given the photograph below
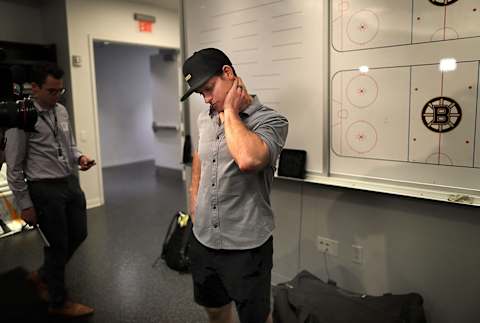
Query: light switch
77, 60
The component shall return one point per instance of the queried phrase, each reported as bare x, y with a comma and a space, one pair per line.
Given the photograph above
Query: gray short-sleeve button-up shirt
233, 207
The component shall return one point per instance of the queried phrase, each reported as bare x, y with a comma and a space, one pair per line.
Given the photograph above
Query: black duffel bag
307, 299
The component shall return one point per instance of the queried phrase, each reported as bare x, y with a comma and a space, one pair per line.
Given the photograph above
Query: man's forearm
73, 147
19, 188
247, 149
196, 171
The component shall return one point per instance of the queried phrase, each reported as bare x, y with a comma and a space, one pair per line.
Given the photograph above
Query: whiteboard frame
408, 189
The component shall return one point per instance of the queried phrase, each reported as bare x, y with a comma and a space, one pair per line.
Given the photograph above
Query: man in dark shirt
42, 176
239, 143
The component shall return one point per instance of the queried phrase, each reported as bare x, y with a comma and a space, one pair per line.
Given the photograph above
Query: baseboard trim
168, 172
93, 203
127, 163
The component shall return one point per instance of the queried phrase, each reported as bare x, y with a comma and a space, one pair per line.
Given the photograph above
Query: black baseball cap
201, 66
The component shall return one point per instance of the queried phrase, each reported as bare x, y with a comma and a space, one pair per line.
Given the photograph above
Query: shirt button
215, 226
213, 184
214, 207
214, 160
218, 137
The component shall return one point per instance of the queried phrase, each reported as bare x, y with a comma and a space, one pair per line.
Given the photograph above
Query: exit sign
145, 26
144, 22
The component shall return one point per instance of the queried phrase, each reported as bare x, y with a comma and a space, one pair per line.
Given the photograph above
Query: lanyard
53, 127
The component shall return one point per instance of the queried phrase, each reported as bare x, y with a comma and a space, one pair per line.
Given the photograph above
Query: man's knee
76, 238
220, 314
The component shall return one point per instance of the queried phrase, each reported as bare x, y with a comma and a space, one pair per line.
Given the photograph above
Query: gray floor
112, 271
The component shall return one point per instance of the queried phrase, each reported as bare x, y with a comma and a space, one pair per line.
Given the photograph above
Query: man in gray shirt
239, 143
42, 176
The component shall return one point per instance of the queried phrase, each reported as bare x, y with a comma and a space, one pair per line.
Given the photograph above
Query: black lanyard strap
53, 127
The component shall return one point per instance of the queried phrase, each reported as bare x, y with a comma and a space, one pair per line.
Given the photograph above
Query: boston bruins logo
442, 3
441, 114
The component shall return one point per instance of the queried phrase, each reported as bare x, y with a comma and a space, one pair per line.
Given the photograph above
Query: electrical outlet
327, 245
357, 254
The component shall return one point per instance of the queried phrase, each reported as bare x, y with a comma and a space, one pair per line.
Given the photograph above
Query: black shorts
242, 276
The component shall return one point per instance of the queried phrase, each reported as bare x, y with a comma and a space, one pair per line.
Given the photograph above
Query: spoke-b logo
442, 3
441, 114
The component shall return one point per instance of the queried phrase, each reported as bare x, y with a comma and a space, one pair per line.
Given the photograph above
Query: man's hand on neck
237, 98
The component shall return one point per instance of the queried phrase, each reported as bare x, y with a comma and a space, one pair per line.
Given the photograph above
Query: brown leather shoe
70, 310
41, 287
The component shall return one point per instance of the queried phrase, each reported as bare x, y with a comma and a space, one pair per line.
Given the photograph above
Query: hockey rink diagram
414, 114
365, 24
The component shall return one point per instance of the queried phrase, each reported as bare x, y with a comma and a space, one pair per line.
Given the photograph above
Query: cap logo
188, 77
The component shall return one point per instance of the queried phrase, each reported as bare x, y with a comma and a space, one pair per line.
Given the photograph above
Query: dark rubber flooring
112, 271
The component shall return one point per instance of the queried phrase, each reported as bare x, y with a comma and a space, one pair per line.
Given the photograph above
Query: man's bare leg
222, 314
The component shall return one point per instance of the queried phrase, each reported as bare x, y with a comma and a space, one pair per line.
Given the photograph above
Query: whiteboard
276, 48
403, 121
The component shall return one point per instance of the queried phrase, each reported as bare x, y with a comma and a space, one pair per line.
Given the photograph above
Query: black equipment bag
307, 299
176, 242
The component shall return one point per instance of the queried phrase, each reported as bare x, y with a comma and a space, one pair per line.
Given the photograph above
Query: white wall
106, 20
20, 23
409, 244
166, 110
124, 103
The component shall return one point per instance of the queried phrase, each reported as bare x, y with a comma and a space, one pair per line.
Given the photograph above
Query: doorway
137, 91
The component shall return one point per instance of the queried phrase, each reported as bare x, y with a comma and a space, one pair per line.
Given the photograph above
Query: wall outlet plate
327, 245
357, 254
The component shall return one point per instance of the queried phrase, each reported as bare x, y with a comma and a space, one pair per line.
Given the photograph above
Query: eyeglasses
57, 91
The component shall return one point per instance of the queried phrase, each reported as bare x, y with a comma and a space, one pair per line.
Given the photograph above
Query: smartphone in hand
89, 164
